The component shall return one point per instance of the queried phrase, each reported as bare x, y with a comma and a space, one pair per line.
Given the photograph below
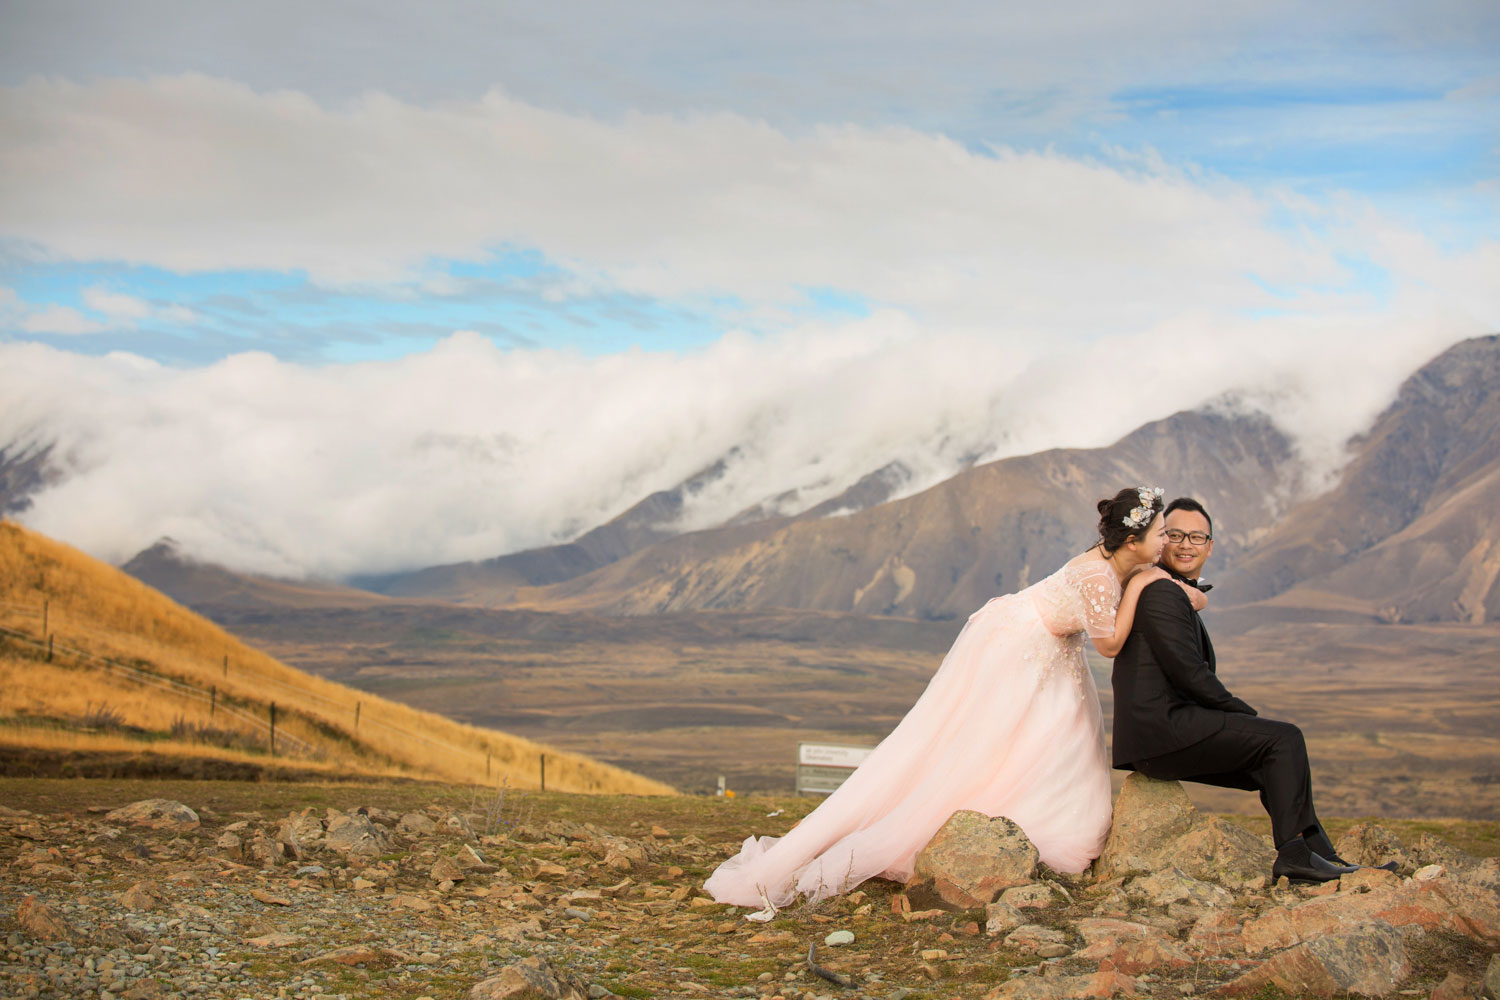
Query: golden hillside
93, 659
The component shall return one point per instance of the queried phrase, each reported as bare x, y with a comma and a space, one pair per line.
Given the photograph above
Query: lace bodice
1080, 597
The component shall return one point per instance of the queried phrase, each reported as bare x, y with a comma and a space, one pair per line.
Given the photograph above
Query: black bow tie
1204, 587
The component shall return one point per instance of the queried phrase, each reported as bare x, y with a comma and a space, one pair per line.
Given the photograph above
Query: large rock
417, 824
260, 849
1369, 959
156, 813
41, 922
974, 858
1105, 983
1176, 886
1486, 874
1132, 948
143, 896
1156, 827
1440, 904
300, 833
353, 833
1432, 850
1373, 844
1001, 918
529, 979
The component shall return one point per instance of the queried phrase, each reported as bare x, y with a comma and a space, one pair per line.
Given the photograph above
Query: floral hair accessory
1141, 516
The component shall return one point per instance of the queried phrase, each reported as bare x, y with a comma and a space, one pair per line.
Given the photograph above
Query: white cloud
192, 173
117, 307
120, 311
57, 319
468, 451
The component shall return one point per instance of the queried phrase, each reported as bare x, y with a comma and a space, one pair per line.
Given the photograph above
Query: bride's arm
1125, 615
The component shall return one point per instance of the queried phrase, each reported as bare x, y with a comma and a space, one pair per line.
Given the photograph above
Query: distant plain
1400, 718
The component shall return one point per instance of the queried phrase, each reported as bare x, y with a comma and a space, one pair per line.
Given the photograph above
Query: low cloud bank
469, 451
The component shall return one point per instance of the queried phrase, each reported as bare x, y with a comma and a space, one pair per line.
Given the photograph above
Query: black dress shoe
1303, 866
1334, 859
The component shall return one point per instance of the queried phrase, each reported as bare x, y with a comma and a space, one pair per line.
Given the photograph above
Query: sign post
823, 767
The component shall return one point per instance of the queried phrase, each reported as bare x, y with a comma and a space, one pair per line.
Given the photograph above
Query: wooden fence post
49, 648
486, 765
226, 664
46, 609
273, 729
544, 772
213, 699
356, 715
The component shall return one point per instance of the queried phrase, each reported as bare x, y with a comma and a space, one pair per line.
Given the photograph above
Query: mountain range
1407, 533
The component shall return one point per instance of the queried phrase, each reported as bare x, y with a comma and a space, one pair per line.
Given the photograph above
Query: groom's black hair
1188, 503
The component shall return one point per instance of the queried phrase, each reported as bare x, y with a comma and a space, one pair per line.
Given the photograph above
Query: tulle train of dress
1009, 725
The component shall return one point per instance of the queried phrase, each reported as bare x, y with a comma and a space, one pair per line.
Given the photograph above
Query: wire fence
328, 712
282, 740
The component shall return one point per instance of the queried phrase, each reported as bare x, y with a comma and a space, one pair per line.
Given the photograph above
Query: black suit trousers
1263, 755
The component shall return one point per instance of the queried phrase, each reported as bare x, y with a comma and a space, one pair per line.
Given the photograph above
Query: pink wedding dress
1008, 726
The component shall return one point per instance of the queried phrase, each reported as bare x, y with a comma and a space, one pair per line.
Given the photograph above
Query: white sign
832, 754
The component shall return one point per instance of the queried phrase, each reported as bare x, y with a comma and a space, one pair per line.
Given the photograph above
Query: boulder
471, 860
1431, 850
1156, 827
529, 979
1036, 896
446, 870
416, 824
300, 832
1490, 988
1368, 959
155, 813
1368, 878
1217, 931
41, 922
1453, 987
1372, 844
1176, 886
1438, 904
974, 858
143, 896
262, 850
1001, 918
1048, 942
1131, 947
353, 833
1486, 874
1106, 982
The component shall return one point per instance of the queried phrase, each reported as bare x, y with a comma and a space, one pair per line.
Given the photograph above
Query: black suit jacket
1167, 695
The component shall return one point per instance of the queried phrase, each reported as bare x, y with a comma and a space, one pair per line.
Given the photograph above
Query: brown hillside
90, 655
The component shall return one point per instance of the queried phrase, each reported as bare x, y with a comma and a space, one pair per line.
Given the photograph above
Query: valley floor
1399, 718
605, 889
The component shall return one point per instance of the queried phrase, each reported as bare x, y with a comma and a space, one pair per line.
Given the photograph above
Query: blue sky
188, 181
338, 288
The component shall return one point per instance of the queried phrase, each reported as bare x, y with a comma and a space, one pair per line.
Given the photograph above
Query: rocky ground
413, 894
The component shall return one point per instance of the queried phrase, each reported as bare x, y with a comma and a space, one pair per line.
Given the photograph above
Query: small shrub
101, 716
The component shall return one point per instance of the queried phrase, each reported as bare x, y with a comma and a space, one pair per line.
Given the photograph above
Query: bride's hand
1147, 574
1196, 597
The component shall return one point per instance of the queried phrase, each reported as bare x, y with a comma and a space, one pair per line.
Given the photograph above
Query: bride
1008, 726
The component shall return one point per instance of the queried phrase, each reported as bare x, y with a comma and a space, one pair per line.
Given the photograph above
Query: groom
1174, 720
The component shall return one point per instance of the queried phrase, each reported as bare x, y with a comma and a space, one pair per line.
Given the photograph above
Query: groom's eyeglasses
1196, 537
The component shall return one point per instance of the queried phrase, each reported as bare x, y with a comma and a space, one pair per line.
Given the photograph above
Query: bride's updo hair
1113, 531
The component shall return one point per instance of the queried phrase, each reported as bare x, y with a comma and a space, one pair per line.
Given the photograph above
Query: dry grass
100, 612
45, 737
